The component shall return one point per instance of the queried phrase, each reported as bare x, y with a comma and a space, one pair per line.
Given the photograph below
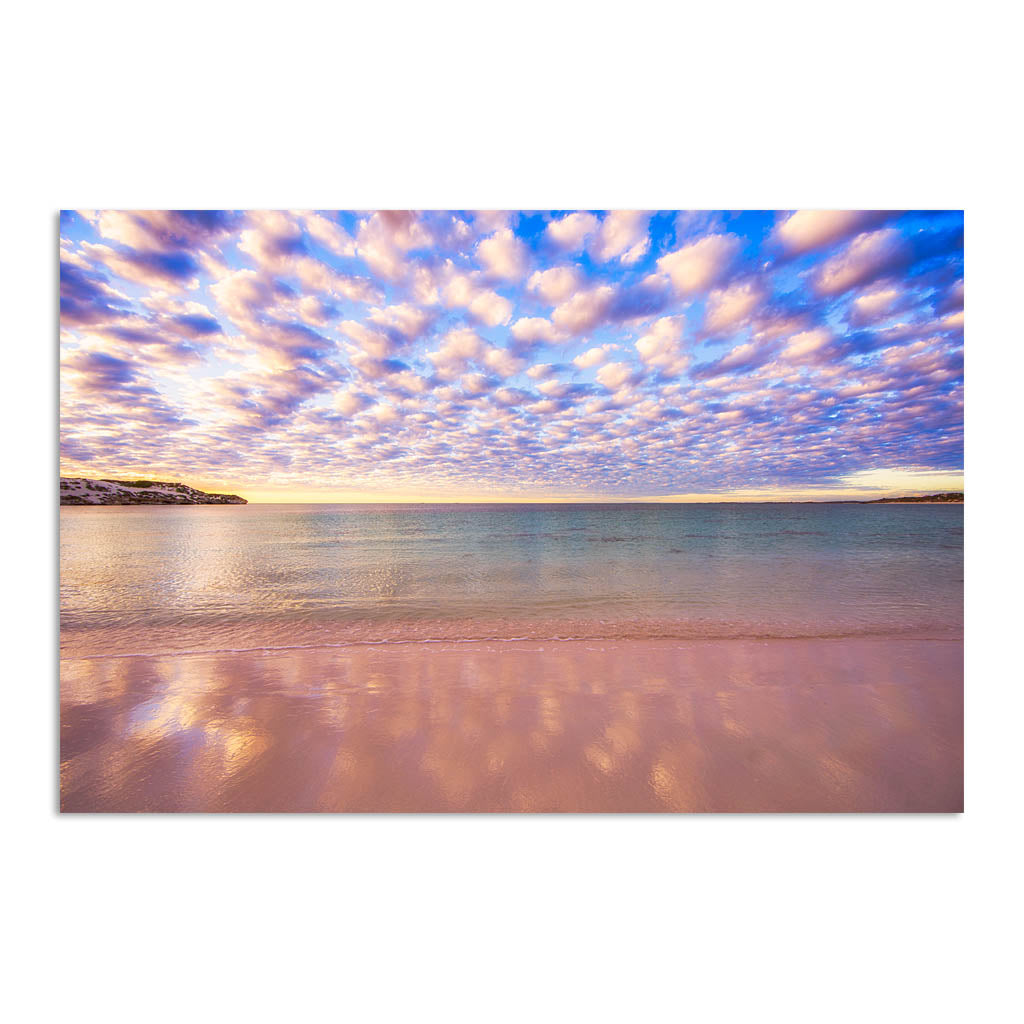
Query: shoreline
443, 504
456, 643
87, 651
799, 725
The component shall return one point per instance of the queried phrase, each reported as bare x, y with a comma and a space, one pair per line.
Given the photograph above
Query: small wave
618, 540
628, 636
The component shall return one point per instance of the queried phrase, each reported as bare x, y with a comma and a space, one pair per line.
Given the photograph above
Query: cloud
100, 371
693, 224
639, 301
314, 276
953, 322
700, 265
592, 357
378, 344
272, 239
807, 343
107, 389
661, 347
740, 359
504, 362
623, 234
879, 303
385, 238
244, 294
533, 330
541, 370
415, 350
384, 413
86, 297
328, 233
165, 230
403, 320
349, 402
951, 301
729, 308
868, 257
510, 397
476, 383
313, 310
486, 305
569, 233
807, 230
458, 348
155, 269
487, 222
196, 325
555, 284
614, 375
584, 311
503, 256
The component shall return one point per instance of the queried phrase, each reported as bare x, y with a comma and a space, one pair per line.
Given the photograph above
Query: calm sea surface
153, 580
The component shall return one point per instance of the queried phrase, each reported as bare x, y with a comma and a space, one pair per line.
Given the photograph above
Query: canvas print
514, 511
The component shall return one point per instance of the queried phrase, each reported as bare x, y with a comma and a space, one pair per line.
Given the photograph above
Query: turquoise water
136, 580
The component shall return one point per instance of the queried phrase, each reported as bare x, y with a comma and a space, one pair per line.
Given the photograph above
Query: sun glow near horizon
863, 486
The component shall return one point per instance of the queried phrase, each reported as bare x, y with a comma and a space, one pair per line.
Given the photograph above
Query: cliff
81, 491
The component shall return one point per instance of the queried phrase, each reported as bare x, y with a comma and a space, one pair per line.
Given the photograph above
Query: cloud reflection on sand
633, 726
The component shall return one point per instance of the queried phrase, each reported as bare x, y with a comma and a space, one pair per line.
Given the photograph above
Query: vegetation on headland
83, 491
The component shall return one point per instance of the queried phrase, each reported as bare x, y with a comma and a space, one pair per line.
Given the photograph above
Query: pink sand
723, 725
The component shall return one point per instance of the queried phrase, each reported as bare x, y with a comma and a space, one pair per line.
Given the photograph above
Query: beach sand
722, 725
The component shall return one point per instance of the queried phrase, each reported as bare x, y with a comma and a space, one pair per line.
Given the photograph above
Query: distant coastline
946, 498
104, 491
84, 491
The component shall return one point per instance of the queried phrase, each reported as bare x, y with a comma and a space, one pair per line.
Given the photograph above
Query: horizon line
911, 489
626, 501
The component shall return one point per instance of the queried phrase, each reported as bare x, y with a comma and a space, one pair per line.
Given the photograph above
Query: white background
531, 105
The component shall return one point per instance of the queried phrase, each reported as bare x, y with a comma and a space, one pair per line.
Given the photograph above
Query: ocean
146, 580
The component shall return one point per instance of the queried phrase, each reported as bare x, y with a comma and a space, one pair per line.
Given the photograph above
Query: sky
558, 355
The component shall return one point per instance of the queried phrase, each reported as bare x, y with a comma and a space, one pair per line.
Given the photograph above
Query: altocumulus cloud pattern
585, 354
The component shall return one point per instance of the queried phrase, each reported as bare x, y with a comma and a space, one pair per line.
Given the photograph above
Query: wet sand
723, 725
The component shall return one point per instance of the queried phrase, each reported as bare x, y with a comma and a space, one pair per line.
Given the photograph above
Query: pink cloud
731, 307
570, 232
700, 265
807, 230
866, 258
555, 284
503, 256
623, 235
584, 310
661, 347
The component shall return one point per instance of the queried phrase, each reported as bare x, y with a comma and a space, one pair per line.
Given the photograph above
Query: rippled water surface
209, 578
213, 578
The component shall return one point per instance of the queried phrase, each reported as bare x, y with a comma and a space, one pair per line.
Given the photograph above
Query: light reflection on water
164, 579
727, 726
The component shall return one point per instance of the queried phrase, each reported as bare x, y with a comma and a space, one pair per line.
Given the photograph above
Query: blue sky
523, 355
